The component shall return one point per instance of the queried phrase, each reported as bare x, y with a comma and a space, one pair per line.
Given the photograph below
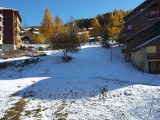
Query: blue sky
32, 11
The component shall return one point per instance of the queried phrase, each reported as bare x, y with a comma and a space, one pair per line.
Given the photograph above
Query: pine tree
47, 25
96, 27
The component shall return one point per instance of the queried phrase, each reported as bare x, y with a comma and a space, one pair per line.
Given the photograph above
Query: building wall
140, 7
8, 27
137, 57
151, 49
17, 28
142, 21
1, 24
1, 31
154, 67
137, 24
1, 40
12, 28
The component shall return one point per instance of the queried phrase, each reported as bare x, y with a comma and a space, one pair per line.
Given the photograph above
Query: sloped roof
149, 42
4, 8
139, 13
136, 8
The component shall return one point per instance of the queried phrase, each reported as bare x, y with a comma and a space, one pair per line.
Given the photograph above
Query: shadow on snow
74, 80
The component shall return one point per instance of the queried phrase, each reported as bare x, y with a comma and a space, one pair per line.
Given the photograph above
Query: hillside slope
88, 87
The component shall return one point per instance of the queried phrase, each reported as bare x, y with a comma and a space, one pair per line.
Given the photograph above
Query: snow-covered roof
35, 32
91, 38
26, 29
146, 43
99, 37
81, 33
4, 8
22, 36
36, 29
23, 31
90, 28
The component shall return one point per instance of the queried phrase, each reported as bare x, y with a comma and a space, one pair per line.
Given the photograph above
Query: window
129, 27
152, 12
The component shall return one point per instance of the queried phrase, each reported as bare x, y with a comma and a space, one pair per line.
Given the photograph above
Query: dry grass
14, 113
20, 53
61, 114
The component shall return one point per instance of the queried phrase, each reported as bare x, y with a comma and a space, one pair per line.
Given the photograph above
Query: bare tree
25, 24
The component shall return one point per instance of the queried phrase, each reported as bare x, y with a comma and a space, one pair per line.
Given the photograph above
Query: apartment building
141, 36
10, 28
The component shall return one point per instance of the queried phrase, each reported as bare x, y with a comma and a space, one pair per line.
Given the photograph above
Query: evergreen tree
105, 36
47, 25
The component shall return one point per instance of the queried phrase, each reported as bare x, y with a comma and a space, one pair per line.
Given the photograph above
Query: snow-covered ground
88, 87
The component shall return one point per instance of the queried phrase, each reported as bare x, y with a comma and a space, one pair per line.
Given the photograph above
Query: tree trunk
66, 55
111, 53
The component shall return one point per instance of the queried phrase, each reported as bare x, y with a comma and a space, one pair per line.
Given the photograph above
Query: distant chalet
141, 36
10, 28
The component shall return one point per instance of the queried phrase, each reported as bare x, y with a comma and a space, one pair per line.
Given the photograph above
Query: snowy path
88, 87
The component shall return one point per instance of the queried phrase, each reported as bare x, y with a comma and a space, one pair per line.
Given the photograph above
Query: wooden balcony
157, 15
153, 56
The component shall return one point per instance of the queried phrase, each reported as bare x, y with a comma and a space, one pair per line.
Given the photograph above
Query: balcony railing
153, 56
157, 15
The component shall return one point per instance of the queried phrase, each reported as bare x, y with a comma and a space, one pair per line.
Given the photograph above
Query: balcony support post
146, 69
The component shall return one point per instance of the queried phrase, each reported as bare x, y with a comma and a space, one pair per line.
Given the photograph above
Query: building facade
10, 28
141, 36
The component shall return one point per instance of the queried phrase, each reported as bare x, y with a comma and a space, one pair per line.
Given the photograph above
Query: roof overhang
10, 9
138, 14
141, 5
148, 43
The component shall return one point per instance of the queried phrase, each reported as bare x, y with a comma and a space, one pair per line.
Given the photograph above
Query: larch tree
113, 28
95, 32
84, 37
38, 39
48, 25
58, 20
59, 24
65, 39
